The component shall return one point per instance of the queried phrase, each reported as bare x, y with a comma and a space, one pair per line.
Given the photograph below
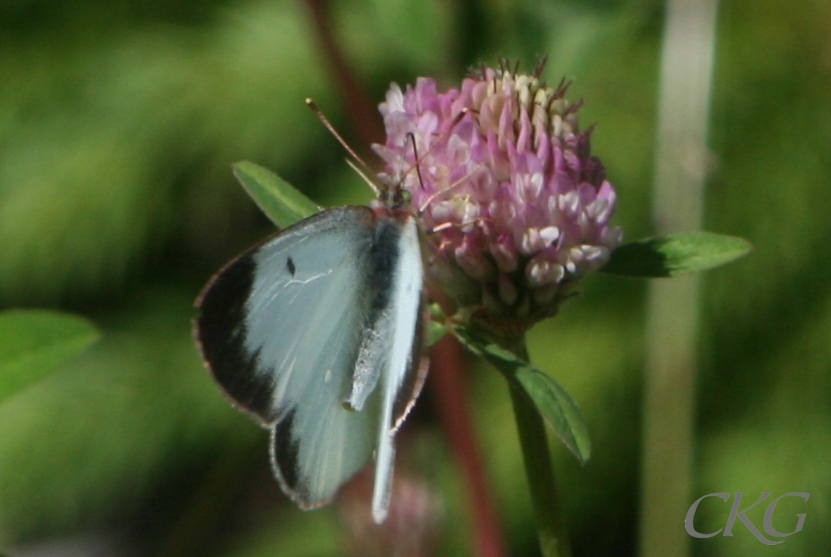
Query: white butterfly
316, 333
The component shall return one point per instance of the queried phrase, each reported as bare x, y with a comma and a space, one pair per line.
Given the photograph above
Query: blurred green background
118, 124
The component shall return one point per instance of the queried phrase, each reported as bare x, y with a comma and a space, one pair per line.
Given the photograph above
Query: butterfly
316, 334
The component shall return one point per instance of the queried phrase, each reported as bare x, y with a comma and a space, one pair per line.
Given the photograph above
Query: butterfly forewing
280, 329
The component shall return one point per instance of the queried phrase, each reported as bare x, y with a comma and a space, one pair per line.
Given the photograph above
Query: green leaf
551, 400
35, 342
676, 254
436, 327
278, 199
558, 409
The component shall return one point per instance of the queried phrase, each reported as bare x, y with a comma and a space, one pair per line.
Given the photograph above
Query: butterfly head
393, 196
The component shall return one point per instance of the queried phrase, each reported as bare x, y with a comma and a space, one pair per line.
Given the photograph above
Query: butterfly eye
401, 197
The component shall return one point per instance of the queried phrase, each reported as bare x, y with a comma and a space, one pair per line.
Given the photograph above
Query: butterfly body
315, 333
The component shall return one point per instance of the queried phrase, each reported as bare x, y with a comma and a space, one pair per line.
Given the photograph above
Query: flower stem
540, 470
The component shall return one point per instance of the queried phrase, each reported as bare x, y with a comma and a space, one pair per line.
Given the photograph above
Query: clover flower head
515, 207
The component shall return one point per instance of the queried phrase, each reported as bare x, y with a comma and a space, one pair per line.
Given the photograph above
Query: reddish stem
450, 391
365, 119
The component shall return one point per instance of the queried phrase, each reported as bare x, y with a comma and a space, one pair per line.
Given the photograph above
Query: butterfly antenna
458, 118
354, 166
357, 164
417, 165
411, 135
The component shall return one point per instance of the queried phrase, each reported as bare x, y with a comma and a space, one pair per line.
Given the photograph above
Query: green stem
539, 468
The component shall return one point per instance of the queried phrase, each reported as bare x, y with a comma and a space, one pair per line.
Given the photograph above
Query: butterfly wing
281, 328
401, 373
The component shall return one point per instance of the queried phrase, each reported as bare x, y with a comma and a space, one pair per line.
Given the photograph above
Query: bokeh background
119, 121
